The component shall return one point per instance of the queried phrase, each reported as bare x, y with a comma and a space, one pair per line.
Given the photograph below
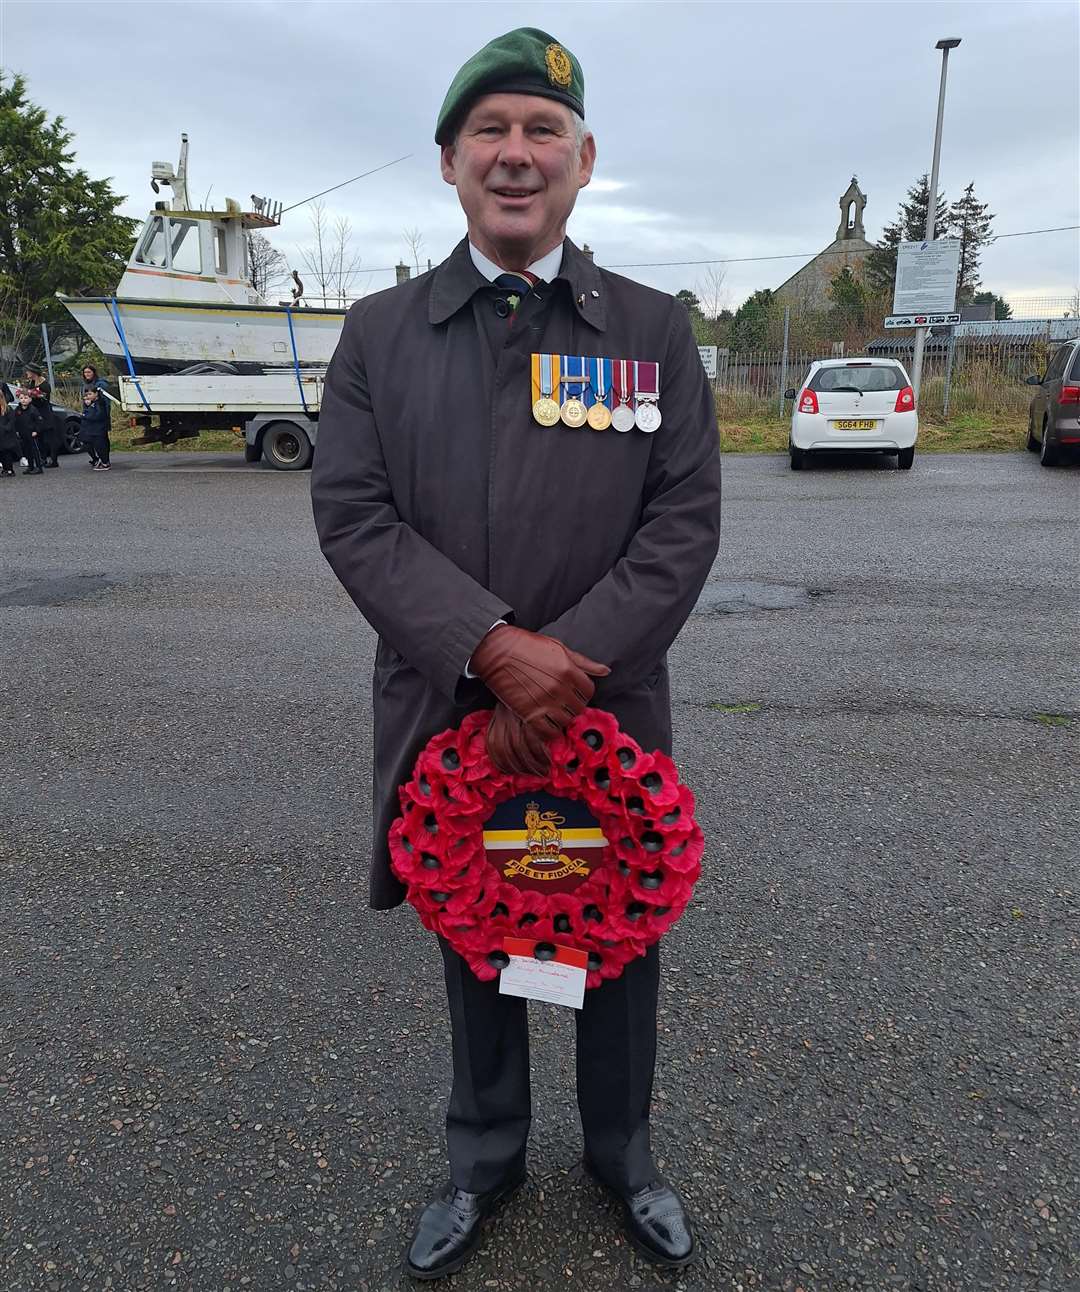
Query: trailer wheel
285, 447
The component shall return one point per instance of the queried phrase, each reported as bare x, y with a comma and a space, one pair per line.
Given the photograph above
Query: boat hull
168, 336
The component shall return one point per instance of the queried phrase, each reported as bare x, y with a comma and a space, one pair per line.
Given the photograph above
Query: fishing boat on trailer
186, 297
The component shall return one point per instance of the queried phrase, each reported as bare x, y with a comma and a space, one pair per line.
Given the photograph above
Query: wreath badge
601, 855
559, 68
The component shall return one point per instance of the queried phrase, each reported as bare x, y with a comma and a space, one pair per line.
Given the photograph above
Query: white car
854, 406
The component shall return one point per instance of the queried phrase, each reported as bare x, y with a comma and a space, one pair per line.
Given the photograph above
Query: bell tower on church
852, 205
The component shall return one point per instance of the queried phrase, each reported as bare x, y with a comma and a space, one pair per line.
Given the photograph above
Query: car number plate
855, 424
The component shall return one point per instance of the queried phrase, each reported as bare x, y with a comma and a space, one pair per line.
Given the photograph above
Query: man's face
517, 169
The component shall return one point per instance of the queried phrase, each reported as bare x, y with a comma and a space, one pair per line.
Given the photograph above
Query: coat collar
457, 280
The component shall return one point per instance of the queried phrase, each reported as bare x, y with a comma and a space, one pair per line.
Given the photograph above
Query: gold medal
573, 412
600, 380
599, 416
546, 411
545, 377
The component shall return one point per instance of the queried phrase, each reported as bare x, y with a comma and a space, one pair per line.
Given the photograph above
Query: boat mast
163, 173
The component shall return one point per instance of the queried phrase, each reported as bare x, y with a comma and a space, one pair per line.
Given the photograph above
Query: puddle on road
740, 596
59, 591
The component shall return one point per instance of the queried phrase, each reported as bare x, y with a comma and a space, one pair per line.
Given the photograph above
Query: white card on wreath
558, 977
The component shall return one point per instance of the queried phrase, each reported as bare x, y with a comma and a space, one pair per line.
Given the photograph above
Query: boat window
185, 246
152, 248
221, 257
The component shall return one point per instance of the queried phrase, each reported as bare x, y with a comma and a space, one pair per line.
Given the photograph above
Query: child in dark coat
94, 431
10, 448
29, 426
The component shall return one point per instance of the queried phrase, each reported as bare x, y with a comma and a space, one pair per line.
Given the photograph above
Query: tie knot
520, 282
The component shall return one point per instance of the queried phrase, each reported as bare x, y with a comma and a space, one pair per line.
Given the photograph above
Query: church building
808, 288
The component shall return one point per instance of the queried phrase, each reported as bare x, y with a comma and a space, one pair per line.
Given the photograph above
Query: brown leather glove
515, 748
540, 680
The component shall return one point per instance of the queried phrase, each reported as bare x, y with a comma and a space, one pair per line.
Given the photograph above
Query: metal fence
960, 375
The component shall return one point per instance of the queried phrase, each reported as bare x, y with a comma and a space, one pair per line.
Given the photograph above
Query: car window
1074, 371
858, 377
1057, 364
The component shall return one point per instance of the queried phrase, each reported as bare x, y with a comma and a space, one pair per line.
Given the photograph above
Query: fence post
48, 355
784, 358
948, 373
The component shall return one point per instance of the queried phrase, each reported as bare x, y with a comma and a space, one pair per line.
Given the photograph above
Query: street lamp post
950, 42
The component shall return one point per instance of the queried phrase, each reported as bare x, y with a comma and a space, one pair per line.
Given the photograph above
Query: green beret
525, 61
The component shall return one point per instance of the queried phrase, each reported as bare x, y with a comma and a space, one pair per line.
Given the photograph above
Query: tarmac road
219, 1071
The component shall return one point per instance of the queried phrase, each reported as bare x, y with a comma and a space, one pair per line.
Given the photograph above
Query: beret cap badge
559, 68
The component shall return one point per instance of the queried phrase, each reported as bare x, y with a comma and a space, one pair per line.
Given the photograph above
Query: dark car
67, 418
1054, 417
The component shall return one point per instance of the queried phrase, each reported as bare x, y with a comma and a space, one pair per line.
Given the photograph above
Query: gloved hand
515, 748
540, 680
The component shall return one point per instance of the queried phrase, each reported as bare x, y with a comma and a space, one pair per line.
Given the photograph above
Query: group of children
31, 432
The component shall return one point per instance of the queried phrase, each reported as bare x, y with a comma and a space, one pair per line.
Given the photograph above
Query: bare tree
16, 326
318, 257
268, 267
712, 298
346, 260
414, 240
331, 260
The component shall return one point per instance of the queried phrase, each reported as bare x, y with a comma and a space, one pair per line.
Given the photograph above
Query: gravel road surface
219, 1071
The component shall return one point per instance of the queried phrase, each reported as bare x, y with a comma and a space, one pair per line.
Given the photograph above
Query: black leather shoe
656, 1221
448, 1231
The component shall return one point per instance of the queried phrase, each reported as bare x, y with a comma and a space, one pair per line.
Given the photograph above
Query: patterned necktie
518, 285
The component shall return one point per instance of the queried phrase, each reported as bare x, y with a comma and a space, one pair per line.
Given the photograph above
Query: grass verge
970, 432
967, 433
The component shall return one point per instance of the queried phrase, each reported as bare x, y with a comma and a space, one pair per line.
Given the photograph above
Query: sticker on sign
922, 320
708, 359
926, 275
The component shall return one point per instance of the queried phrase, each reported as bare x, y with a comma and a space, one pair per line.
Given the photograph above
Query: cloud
722, 130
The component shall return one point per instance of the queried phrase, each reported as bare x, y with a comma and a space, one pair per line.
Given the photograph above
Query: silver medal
622, 417
648, 416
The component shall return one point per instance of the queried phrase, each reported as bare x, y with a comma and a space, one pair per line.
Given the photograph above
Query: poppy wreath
650, 857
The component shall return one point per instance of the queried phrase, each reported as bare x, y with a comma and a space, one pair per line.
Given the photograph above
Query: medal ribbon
547, 372
623, 376
647, 376
573, 368
600, 381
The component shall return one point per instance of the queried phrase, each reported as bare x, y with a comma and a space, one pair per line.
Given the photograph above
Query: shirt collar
458, 278
547, 267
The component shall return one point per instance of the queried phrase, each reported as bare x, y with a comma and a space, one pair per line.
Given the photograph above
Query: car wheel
285, 447
1032, 442
72, 443
1049, 454
905, 458
798, 457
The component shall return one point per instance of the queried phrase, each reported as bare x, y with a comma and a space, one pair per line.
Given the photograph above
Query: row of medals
646, 416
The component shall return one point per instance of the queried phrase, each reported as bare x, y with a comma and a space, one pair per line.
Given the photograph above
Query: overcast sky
723, 130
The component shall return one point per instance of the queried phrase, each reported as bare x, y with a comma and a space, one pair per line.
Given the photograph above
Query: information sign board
926, 274
922, 320
708, 360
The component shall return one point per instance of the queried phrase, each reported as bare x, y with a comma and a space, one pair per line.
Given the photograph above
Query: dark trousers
31, 450
487, 1123
97, 446
53, 441
8, 458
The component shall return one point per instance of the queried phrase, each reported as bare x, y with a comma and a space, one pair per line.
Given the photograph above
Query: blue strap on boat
114, 314
296, 360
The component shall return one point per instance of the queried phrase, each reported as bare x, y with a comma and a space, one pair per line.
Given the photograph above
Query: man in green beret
530, 545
